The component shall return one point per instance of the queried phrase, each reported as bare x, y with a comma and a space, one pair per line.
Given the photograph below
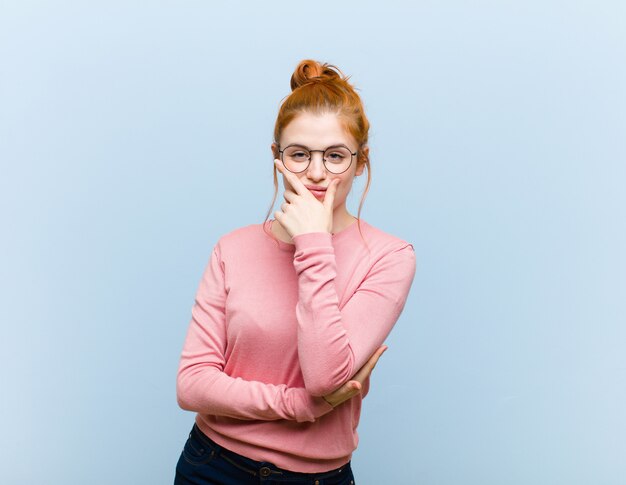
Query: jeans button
265, 472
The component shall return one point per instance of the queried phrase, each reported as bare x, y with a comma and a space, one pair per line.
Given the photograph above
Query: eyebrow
336, 145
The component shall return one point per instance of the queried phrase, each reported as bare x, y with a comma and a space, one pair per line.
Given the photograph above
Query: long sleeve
204, 387
334, 342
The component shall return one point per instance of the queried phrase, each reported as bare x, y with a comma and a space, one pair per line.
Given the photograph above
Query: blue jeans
204, 462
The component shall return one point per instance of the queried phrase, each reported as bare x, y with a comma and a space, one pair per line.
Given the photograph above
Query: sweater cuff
312, 239
309, 408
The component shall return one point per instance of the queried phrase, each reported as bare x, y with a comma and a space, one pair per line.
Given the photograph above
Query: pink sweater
273, 328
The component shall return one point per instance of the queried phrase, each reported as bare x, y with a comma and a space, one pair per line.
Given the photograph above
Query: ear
360, 166
274, 148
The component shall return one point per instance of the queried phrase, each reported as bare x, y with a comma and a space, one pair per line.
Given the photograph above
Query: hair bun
309, 71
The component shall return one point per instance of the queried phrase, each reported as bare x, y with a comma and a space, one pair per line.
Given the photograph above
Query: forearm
203, 386
207, 390
333, 341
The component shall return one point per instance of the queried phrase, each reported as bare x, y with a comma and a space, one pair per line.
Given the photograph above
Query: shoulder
390, 260
383, 242
241, 240
389, 250
241, 234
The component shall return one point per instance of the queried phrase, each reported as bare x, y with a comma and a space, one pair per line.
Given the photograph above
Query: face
317, 132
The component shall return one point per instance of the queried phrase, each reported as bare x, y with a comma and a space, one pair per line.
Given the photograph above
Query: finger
355, 385
329, 196
289, 195
295, 182
373, 360
348, 390
377, 355
368, 367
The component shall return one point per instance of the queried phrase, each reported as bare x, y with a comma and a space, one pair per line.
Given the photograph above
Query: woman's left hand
356, 383
302, 212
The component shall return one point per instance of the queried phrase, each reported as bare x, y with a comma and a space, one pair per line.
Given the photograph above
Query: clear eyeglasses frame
325, 158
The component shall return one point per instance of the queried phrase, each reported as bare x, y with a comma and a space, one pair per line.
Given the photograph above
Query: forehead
315, 130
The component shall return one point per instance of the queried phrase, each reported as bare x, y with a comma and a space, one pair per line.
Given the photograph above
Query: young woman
291, 314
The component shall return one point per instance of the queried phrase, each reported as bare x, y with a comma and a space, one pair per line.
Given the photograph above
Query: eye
297, 153
336, 155
300, 154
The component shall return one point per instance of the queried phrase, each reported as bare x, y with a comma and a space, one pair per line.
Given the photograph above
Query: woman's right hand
354, 385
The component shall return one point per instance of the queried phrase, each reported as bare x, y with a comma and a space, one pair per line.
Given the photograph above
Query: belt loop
205, 439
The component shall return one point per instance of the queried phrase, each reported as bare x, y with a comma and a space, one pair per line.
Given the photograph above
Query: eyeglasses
297, 158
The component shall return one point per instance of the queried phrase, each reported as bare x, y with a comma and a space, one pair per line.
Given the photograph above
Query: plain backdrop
134, 134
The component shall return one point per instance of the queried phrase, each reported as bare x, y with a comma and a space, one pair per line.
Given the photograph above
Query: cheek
342, 190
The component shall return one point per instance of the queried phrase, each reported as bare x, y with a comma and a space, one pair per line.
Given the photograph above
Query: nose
316, 169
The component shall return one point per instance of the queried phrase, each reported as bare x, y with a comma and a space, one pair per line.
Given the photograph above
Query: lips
316, 190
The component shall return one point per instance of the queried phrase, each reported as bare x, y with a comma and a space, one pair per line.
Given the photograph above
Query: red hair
322, 88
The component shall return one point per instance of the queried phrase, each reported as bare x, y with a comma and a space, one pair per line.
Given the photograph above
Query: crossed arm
335, 341
203, 386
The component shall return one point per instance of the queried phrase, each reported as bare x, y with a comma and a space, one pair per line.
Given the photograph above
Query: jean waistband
258, 468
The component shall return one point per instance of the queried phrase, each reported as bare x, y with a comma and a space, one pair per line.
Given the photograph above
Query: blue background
134, 134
